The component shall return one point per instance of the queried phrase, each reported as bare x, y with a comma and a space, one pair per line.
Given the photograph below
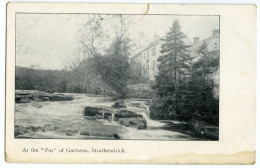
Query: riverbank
38, 96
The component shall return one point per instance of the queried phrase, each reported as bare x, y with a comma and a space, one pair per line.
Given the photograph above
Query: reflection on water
65, 120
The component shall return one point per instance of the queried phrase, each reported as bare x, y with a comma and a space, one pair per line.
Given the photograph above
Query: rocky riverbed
22, 96
81, 116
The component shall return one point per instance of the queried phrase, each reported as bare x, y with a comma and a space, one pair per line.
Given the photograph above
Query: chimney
196, 40
215, 33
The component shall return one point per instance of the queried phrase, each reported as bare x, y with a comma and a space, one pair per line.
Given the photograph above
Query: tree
109, 56
201, 85
92, 35
174, 68
114, 69
114, 66
63, 86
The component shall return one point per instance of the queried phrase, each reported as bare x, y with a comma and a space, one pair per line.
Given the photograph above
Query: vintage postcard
130, 83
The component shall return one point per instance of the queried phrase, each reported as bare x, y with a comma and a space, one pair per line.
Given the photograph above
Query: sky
52, 41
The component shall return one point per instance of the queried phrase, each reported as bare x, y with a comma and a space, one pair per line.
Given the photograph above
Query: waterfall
138, 105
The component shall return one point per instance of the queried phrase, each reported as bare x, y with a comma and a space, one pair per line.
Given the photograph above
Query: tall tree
114, 66
202, 83
92, 35
174, 65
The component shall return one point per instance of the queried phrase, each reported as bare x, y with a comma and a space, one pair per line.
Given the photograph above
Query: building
146, 58
212, 43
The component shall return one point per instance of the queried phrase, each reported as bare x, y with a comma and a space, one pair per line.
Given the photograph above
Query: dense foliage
184, 87
79, 80
114, 67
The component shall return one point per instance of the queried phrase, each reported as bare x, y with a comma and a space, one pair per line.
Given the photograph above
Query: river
65, 120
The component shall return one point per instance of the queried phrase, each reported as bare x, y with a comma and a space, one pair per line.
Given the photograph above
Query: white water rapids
65, 119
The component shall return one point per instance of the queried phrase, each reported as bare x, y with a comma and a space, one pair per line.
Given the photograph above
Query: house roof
145, 48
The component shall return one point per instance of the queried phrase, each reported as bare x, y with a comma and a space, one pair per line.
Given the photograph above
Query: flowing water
65, 120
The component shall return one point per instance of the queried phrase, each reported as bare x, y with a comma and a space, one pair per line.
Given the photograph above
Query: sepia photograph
115, 76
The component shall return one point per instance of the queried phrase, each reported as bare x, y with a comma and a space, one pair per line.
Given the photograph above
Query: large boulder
21, 130
108, 116
40, 99
138, 123
124, 117
98, 112
211, 132
130, 119
119, 104
23, 98
60, 98
92, 111
127, 114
